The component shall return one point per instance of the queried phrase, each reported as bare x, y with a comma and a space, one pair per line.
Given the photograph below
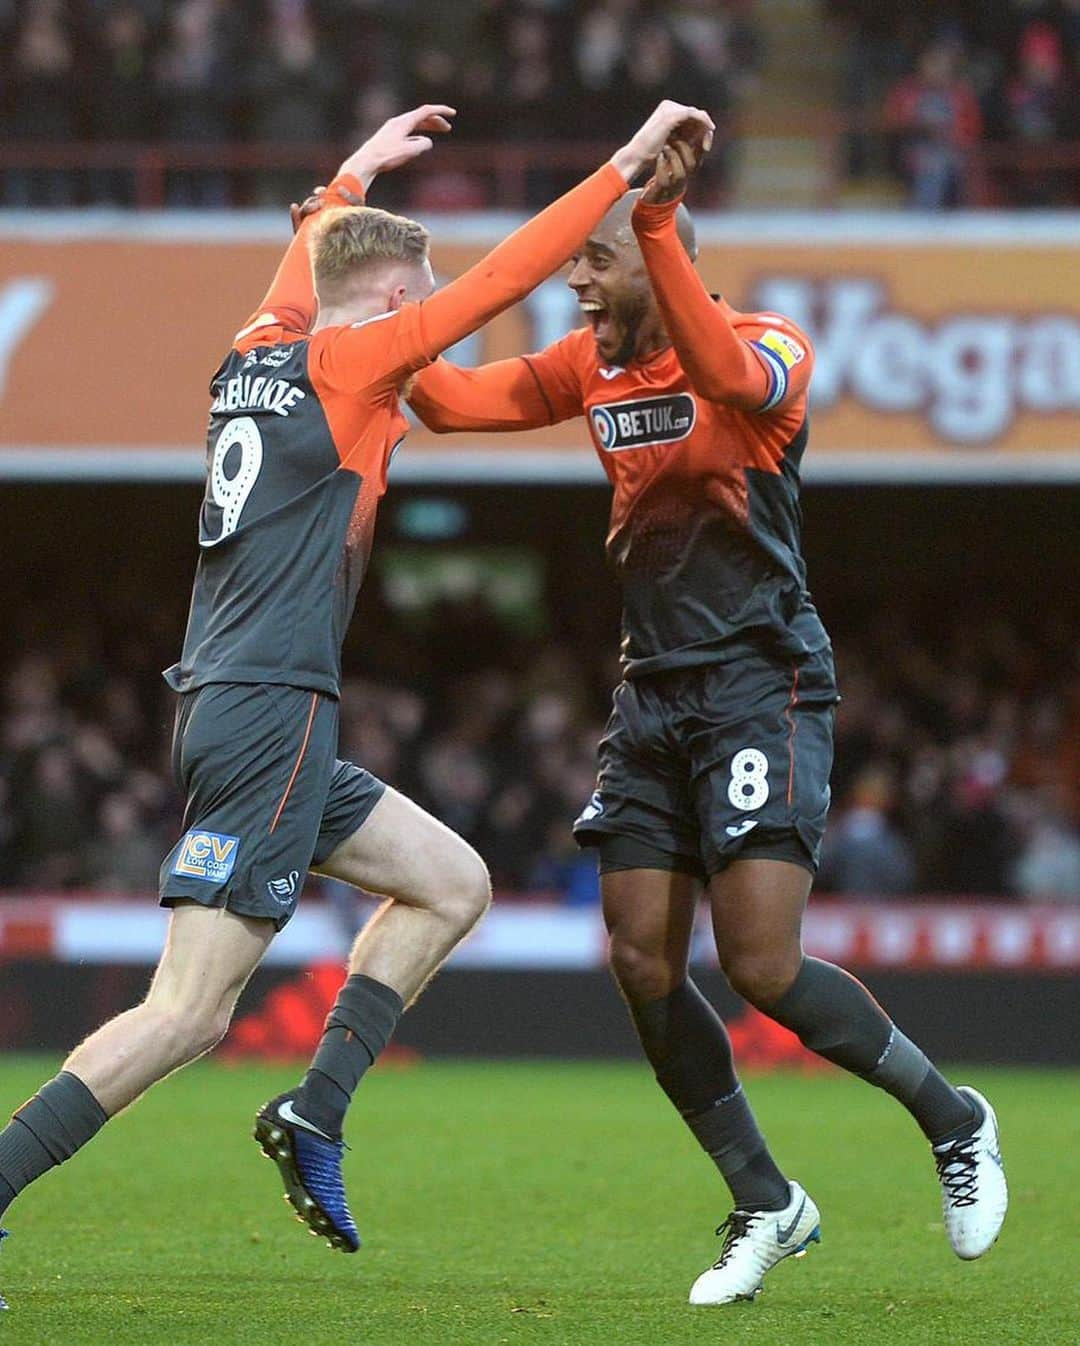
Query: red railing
465, 176
499, 172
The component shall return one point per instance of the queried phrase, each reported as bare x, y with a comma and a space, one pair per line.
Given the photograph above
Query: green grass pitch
531, 1203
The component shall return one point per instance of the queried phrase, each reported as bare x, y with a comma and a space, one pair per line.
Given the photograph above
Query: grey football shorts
267, 797
705, 765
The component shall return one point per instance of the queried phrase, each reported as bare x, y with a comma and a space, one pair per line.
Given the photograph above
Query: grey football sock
359, 1026
61, 1117
690, 1051
728, 1133
836, 1016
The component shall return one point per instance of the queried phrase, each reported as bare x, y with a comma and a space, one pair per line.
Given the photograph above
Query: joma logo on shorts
206, 855
650, 420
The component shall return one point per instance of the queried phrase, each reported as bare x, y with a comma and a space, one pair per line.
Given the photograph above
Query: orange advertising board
948, 347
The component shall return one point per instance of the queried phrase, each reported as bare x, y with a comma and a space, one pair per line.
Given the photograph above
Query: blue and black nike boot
310, 1165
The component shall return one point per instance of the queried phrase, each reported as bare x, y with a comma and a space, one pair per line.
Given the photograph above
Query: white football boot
754, 1241
974, 1194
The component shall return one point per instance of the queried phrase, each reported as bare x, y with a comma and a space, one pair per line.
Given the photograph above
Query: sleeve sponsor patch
787, 348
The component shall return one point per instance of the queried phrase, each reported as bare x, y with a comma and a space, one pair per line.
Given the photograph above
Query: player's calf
438, 888
358, 1027
836, 1016
208, 957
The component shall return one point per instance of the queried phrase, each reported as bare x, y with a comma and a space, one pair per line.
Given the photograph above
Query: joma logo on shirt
652, 420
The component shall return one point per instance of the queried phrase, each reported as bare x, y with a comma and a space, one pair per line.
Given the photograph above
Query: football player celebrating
714, 767
304, 420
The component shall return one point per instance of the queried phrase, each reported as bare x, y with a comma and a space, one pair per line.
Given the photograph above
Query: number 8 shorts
701, 766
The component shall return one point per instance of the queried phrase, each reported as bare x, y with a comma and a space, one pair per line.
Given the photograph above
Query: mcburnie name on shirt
247, 392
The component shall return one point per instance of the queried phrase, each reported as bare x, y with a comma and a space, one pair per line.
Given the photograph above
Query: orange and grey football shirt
302, 429
702, 443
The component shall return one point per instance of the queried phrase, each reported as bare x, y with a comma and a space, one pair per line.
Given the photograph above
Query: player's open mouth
598, 319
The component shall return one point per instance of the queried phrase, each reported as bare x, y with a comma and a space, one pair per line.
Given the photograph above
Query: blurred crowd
326, 72
957, 766
922, 84
958, 762
945, 77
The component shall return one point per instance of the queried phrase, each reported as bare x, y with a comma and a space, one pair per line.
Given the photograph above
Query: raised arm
526, 258
421, 331
290, 301
514, 268
721, 365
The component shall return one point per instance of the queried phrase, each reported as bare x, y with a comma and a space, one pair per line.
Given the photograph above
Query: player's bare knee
215, 1024
760, 976
642, 974
185, 1030
206, 1028
467, 891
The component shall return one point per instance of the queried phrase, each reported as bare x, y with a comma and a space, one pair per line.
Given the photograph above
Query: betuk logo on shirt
206, 855
648, 420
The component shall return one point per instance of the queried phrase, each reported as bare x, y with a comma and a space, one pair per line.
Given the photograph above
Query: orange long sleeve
524, 393
291, 296
503, 395
520, 262
720, 365
387, 348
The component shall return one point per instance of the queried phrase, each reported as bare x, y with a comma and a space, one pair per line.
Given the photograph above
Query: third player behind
714, 767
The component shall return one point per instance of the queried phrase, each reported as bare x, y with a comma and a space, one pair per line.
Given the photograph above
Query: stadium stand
958, 756
980, 101
202, 103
